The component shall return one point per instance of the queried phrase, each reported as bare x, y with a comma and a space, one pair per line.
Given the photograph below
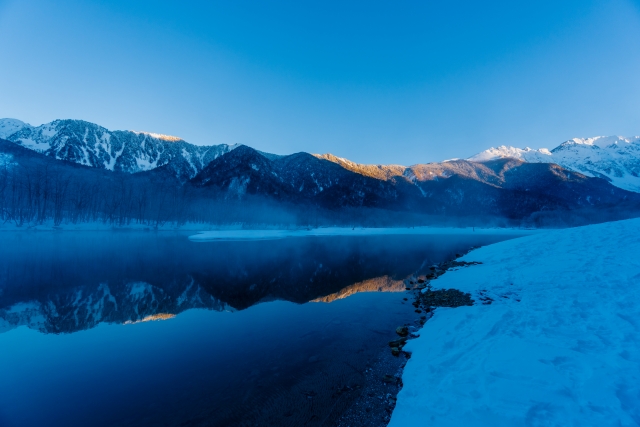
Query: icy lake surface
136, 329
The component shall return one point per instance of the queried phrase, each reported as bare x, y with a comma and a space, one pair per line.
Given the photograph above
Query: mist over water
236, 339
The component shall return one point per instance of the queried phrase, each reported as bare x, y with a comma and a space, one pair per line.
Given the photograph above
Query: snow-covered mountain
504, 181
126, 151
614, 158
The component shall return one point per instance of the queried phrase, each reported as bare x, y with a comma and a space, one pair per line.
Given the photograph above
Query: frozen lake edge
239, 234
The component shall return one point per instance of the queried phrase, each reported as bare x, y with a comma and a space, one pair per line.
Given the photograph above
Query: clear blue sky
374, 81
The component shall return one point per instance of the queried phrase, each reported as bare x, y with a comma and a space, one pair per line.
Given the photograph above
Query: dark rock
388, 378
445, 298
400, 342
403, 331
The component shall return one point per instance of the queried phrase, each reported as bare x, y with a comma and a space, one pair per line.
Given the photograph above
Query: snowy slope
559, 345
11, 126
614, 158
126, 151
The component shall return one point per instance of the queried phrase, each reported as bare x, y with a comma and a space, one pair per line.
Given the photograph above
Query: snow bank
559, 345
215, 235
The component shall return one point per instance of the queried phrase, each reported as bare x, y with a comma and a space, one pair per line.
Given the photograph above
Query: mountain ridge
172, 185
508, 186
89, 144
613, 158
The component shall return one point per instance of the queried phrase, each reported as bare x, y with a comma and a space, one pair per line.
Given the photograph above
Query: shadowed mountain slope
506, 187
116, 173
300, 177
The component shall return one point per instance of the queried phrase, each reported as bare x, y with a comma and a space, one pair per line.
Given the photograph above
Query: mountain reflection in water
66, 282
284, 363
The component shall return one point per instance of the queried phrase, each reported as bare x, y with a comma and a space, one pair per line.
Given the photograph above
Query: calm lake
151, 329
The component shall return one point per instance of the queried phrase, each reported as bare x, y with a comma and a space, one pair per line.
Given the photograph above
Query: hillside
614, 158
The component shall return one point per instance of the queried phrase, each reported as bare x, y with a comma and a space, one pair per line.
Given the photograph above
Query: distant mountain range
125, 151
503, 181
508, 187
613, 158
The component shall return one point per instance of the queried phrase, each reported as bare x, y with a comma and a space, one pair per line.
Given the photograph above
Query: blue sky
374, 81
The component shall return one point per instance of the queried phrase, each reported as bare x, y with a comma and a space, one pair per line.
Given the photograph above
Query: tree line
46, 191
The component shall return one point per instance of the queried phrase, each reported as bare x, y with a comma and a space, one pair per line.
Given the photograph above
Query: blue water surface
136, 329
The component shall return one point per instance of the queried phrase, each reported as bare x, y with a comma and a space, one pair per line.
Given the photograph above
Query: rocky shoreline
383, 379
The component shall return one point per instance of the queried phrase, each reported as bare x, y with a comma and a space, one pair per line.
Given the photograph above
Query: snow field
558, 346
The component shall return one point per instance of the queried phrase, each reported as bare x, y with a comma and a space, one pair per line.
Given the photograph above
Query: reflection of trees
78, 280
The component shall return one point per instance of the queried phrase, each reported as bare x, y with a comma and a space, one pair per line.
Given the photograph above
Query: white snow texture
126, 151
614, 158
559, 346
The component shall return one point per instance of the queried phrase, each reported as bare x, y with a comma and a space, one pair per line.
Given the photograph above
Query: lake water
136, 329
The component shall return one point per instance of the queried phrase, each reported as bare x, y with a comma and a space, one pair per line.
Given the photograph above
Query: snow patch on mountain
614, 158
11, 126
125, 151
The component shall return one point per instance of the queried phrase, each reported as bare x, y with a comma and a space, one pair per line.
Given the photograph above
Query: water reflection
66, 282
279, 363
378, 284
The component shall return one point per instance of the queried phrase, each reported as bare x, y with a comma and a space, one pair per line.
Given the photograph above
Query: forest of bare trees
46, 191
36, 193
